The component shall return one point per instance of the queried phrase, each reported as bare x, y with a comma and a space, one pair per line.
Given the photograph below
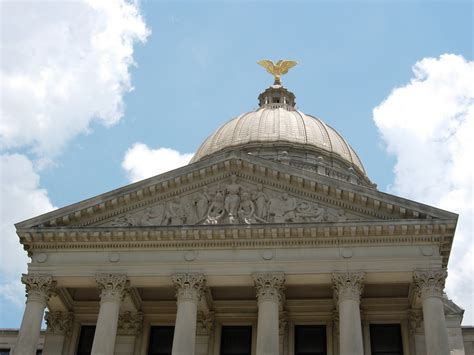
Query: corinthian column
188, 292
429, 285
113, 288
269, 293
39, 288
348, 287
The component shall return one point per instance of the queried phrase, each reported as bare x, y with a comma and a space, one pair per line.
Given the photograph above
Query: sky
96, 94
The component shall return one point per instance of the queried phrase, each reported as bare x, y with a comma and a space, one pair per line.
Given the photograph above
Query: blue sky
197, 69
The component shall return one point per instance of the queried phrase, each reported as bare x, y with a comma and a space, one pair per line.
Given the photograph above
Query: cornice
297, 235
358, 199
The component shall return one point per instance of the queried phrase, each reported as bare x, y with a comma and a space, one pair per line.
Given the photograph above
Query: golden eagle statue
278, 69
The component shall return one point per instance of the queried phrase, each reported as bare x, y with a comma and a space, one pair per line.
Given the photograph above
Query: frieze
232, 203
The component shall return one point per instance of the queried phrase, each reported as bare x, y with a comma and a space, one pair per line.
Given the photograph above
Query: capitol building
273, 240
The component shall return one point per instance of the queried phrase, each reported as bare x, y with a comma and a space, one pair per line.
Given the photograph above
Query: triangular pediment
235, 188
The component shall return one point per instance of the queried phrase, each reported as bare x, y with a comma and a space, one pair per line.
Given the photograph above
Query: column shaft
29, 333
267, 328
184, 340
38, 288
269, 293
113, 287
436, 335
350, 330
347, 290
188, 292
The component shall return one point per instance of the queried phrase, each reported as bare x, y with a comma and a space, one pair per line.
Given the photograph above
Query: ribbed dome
278, 125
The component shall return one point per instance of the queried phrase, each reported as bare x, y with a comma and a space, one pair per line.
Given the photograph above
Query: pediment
232, 200
235, 188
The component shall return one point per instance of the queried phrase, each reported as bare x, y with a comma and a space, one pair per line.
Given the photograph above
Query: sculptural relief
232, 203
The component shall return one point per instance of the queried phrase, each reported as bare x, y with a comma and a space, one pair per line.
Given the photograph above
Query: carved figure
174, 213
247, 209
334, 215
202, 203
261, 200
232, 199
282, 209
152, 216
306, 212
123, 221
216, 210
189, 209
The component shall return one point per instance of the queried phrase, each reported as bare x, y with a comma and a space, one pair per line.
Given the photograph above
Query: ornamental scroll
232, 203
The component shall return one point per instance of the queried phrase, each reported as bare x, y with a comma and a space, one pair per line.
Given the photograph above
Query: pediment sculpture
232, 203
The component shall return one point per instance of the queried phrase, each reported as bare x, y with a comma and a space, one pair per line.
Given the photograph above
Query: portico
273, 240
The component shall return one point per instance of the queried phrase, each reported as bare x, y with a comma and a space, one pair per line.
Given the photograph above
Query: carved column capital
429, 283
188, 286
415, 316
58, 322
348, 285
270, 286
130, 323
205, 323
39, 287
112, 286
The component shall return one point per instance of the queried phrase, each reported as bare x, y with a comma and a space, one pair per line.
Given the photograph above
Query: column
113, 288
188, 293
269, 295
39, 288
429, 285
348, 287
59, 325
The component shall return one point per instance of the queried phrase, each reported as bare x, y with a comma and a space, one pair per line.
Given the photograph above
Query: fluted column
59, 325
39, 288
188, 293
429, 285
348, 287
113, 288
269, 295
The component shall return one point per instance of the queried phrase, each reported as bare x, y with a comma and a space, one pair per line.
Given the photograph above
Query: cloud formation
64, 64
141, 162
428, 125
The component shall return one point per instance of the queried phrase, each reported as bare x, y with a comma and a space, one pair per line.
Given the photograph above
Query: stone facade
235, 239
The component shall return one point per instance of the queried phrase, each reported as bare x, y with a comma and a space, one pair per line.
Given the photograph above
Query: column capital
130, 323
39, 287
59, 322
429, 283
270, 286
348, 285
188, 286
112, 286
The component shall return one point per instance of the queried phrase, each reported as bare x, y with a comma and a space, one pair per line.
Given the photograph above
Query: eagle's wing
267, 64
286, 65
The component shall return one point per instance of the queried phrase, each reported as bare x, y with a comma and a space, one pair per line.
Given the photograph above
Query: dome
277, 131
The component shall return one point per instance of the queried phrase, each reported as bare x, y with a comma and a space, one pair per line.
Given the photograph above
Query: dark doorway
386, 339
86, 338
310, 340
161, 340
236, 340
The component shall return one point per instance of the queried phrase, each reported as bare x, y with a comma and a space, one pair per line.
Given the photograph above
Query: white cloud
141, 162
21, 197
428, 125
64, 64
